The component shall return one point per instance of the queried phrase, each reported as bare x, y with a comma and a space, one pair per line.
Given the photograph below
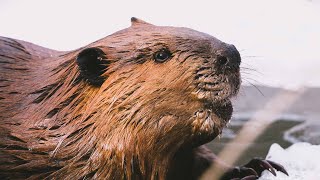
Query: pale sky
280, 39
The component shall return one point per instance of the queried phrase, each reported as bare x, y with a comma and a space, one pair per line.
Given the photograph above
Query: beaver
137, 104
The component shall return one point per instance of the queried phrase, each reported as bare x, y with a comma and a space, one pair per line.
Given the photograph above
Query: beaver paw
253, 170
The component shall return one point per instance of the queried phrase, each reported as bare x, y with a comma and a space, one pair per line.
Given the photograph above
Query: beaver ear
92, 64
136, 22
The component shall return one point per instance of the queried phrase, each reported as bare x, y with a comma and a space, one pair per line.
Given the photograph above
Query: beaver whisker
255, 86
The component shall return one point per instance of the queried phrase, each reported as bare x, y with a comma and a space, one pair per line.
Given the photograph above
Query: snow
301, 160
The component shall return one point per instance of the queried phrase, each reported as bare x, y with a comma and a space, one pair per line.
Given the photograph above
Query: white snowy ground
301, 160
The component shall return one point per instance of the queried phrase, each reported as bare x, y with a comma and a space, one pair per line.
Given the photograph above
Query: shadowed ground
274, 134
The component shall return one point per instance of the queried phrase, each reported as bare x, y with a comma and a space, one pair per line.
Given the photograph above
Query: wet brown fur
139, 124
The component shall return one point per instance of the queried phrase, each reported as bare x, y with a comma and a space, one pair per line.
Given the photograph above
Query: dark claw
278, 167
253, 170
268, 166
259, 165
238, 173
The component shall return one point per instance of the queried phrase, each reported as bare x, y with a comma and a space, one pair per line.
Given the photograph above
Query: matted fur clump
137, 104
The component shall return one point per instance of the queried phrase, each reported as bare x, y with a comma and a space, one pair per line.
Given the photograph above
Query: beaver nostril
222, 60
228, 57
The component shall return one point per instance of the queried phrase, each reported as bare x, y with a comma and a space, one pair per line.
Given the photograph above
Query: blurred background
279, 41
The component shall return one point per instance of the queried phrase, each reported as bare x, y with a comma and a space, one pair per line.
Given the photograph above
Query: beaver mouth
209, 122
215, 92
205, 117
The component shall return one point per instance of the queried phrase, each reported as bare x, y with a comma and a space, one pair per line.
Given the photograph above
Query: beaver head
124, 105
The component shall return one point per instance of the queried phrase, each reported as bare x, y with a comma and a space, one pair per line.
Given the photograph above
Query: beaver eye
162, 55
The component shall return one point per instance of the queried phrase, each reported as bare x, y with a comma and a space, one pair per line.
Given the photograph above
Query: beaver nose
228, 56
